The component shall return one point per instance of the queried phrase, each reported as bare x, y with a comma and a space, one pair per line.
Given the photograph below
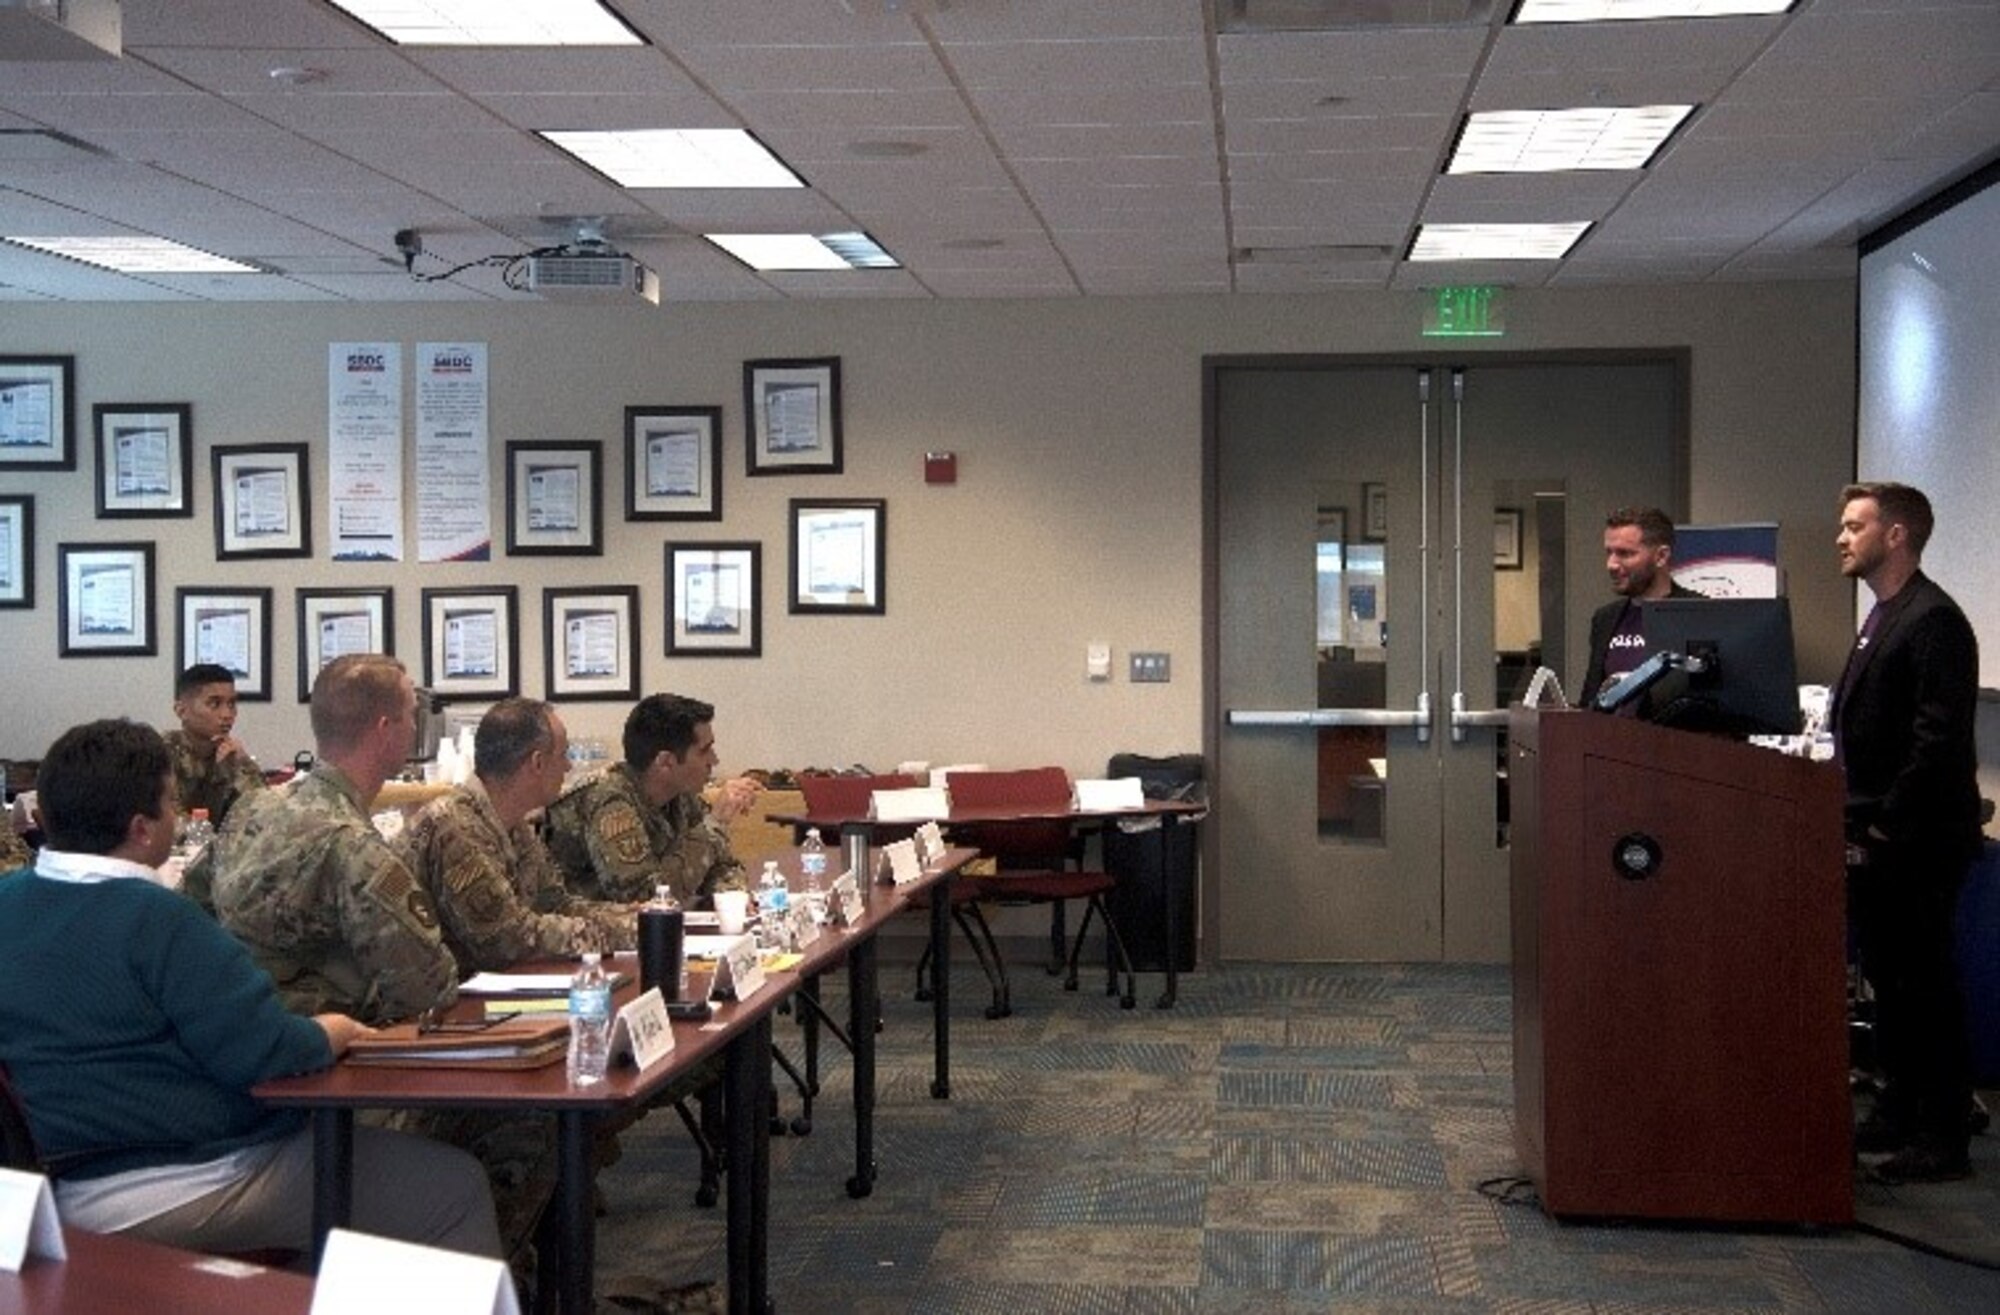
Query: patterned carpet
1286, 1140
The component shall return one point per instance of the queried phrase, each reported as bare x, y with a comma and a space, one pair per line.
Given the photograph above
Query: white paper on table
1107, 796
515, 984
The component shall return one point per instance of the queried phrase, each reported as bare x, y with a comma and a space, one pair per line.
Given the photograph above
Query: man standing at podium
1902, 719
1638, 546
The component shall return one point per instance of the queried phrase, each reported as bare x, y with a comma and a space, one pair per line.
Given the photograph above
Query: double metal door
1399, 547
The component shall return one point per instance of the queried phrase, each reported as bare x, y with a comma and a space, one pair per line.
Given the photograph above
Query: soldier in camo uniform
211, 766
13, 850
498, 897
325, 905
643, 823
334, 914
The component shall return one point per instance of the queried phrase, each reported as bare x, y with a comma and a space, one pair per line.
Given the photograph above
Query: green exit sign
1474, 312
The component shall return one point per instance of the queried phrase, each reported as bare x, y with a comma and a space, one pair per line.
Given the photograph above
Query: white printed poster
454, 511
364, 424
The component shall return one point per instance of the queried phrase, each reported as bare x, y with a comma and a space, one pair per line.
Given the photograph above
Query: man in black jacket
1638, 546
1902, 718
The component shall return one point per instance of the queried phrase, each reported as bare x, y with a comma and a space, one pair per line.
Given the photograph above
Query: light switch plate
1151, 668
1097, 661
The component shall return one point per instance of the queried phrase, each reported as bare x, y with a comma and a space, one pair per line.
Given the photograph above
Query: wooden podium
1679, 923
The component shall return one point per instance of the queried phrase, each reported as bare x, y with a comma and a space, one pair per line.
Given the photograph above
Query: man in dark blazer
1638, 547
1902, 720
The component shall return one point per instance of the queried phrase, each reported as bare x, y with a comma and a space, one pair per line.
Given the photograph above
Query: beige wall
1077, 515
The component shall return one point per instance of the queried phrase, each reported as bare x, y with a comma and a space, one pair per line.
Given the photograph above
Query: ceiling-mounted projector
591, 276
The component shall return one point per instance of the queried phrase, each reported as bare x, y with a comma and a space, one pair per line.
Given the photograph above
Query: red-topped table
106, 1272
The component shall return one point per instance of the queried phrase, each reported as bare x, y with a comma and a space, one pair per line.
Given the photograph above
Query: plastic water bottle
589, 1023
197, 832
812, 863
774, 897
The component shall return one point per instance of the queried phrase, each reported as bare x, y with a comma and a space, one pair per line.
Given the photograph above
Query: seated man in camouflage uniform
301, 877
337, 918
643, 823
498, 897
211, 766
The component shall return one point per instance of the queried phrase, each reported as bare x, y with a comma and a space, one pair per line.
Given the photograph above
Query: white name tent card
844, 900
1109, 796
916, 805
738, 970
930, 843
28, 1222
362, 1274
801, 924
904, 866
641, 1031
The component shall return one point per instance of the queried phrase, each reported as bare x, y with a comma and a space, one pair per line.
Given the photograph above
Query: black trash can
1149, 863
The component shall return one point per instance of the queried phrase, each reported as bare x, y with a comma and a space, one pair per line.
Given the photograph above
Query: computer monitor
1737, 673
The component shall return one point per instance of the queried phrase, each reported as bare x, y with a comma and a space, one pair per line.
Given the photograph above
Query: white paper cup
732, 911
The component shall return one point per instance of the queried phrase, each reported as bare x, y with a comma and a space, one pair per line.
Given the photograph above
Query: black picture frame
555, 499
229, 627
590, 644
104, 600
263, 500
715, 599
838, 557
472, 642
673, 463
145, 459
17, 551
791, 416
335, 622
37, 413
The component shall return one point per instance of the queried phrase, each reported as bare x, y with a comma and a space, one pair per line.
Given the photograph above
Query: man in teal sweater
133, 1028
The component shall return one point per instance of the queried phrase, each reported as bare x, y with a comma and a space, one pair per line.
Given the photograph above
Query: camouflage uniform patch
610, 844
13, 849
326, 906
497, 897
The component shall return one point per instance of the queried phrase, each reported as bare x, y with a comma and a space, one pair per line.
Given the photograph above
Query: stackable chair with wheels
1033, 856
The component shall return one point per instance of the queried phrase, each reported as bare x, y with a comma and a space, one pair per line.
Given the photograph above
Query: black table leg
578, 1220
809, 1014
941, 985
1173, 919
747, 1082
864, 1005
333, 1174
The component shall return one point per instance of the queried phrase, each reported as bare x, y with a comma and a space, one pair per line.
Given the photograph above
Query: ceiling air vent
1334, 253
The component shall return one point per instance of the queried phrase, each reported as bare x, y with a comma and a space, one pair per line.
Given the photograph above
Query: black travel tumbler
661, 949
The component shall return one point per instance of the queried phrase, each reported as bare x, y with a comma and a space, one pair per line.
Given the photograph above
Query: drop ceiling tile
1392, 170
564, 71
279, 23
1040, 176
871, 110
1191, 137
1000, 283
1429, 133
1819, 55
1027, 20
1386, 91
1101, 105
741, 70
94, 118
1550, 66
1331, 58
1056, 63
706, 211
246, 71
1578, 195
678, 26
585, 111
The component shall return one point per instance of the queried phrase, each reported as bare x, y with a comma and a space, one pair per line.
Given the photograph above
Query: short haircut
1901, 505
351, 694
96, 778
200, 674
663, 722
509, 733
1656, 528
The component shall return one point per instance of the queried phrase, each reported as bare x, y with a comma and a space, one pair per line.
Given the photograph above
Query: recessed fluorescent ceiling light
486, 23
1542, 141
1598, 11
791, 251
137, 255
1496, 241
671, 157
